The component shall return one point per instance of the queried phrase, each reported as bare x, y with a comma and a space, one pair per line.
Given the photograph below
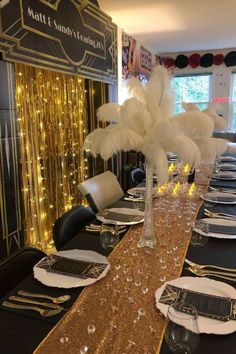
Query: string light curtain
52, 123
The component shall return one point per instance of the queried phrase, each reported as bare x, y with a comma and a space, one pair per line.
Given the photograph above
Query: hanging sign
64, 35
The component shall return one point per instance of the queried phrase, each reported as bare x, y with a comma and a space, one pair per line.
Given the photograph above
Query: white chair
231, 148
101, 191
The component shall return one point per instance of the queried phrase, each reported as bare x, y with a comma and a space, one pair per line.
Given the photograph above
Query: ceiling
166, 26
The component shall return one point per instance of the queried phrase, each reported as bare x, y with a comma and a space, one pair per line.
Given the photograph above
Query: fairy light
50, 179
186, 169
171, 168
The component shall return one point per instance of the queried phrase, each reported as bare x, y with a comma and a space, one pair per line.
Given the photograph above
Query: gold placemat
118, 313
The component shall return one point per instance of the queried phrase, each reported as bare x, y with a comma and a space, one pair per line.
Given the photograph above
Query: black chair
138, 175
18, 266
68, 224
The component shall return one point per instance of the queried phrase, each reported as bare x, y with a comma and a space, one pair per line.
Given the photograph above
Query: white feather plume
162, 132
219, 122
159, 94
158, 158
189, 106
109, 112
135, 116
136, 90
117, 138
211, 148
185, 149
193, 124
93, 140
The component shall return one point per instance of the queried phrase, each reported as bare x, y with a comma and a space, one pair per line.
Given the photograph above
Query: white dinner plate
209, 197
137, 191
225, 176
227, 167
207, 286
227, 158
126, 211
67, 282
221, 222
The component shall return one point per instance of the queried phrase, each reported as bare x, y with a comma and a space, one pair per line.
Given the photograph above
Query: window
234, 101
192, 88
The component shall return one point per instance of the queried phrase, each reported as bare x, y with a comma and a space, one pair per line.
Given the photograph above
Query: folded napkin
116, 216
227, 167
207, 305
221, 229
221, 198
227, 175
72, 267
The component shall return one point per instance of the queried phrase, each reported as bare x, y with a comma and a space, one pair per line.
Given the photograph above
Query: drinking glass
182, 333
197, 239
139, 200
109, 236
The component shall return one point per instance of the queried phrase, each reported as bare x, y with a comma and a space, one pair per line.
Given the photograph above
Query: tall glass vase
148, 238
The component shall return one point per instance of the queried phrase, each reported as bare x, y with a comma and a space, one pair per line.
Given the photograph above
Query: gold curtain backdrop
52, 123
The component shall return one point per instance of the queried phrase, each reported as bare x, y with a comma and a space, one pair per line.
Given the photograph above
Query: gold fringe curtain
53, 123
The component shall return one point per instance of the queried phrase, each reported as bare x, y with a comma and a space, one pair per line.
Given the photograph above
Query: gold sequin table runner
118, 315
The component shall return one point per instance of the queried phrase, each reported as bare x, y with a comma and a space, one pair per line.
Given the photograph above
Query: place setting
121, 216
218, 197
71, 268
224, 176
214, 303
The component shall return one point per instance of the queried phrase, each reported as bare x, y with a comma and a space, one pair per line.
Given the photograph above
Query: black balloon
181, 61
207, 60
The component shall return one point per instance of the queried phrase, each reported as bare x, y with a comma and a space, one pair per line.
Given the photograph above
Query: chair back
101, 191
17, 267
68, 224
138, 175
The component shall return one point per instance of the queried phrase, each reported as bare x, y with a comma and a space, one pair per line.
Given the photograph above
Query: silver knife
29, 301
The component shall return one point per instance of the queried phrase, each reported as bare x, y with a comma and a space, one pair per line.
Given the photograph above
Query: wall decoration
52, 119
11, 225
206, 60
63, 35
218, 59
136, 60
145, 59
194, 60
128, 49
230, 59
181, 61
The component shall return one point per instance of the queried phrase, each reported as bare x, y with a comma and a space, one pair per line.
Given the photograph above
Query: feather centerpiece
145, 123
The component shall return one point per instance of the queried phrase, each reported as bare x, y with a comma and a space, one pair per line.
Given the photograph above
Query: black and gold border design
30, 39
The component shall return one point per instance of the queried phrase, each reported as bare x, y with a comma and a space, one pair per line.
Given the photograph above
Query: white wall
221, 80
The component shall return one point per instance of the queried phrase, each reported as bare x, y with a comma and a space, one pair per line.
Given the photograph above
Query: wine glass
199, 239
109, 236
182, 333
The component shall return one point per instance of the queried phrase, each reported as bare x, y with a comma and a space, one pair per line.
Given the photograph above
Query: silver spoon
56, 300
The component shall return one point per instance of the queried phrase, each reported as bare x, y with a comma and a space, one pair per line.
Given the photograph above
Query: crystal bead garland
148, 238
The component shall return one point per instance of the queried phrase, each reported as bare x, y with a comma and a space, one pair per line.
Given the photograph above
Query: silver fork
203, 273
43, 312
221, 215
202, 266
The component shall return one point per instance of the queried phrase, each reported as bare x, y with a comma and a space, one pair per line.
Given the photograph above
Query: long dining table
118, 313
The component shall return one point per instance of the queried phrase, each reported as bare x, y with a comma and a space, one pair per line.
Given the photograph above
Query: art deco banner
63, 35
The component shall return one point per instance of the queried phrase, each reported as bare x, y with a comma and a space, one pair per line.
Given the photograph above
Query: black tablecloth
21, 332
220, 252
